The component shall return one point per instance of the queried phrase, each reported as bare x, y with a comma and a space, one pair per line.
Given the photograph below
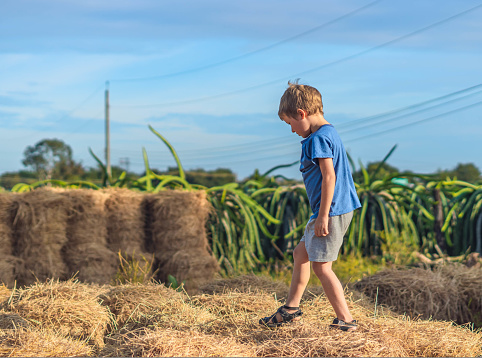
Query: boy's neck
316, 121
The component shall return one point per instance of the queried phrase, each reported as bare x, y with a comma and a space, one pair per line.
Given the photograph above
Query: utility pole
107, 130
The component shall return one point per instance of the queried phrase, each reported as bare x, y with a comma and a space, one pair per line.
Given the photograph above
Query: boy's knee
299, 253
322, 268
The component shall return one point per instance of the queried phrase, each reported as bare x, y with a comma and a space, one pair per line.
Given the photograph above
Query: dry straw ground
77, 319
450, 291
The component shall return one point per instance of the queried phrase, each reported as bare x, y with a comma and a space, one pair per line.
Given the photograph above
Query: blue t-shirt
326, 143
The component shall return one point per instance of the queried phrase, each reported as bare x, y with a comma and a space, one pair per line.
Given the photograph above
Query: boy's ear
302, 113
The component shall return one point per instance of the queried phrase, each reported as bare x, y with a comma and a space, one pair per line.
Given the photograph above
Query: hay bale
5, 224
177, 220
8, 262
86, 221
194, 266
171, 343
452, 292
125, 222
91, 262
9, 266
176, 234
136, 306
68, 308
86, 252
39, 224
40, 343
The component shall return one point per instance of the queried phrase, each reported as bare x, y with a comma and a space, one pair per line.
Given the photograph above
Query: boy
332, 196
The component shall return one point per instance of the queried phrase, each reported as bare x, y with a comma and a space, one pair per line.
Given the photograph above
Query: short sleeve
321, 147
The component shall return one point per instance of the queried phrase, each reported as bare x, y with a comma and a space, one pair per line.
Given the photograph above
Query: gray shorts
326, 248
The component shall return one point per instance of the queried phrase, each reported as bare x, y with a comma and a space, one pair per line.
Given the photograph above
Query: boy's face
299, 125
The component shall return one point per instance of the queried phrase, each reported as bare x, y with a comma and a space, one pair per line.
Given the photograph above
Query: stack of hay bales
125, 223
177, 236
39, 220
86, 250
8, 262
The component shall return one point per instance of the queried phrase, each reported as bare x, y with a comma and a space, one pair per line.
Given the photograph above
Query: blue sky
208, 75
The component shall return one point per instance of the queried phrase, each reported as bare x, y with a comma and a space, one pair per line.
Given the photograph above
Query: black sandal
344, 326
286, 317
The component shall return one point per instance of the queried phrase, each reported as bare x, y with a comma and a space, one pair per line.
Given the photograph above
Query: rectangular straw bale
177, 220
9, 266
91, 262
125, 222
39, 227
196, 266
5, 224
86, 221
8, 262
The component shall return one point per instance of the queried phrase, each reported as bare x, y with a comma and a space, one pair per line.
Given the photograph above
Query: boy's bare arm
327, 190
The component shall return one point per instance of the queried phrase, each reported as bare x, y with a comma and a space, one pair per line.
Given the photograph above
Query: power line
314, 69
248, 54
365, 136
412, 106
417, 122
365, 125
273, 143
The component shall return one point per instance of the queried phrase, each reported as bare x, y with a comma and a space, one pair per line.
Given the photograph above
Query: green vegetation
257, 222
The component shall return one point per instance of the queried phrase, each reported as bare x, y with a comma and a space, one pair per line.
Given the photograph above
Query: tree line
53, 159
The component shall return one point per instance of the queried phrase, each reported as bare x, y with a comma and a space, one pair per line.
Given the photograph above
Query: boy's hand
321, 226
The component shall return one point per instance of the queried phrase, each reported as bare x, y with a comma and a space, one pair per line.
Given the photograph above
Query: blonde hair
302, 97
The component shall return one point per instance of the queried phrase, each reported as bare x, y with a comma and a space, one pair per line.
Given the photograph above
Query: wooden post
107, 131
439, 220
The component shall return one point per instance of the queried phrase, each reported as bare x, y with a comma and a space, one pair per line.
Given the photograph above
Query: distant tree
467, 172
52, 158
207, 178
9, 179
384, 171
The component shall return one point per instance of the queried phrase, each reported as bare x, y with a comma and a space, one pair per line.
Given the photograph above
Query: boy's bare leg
333, 290
299, 279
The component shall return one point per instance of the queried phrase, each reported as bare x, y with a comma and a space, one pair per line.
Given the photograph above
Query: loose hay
12, 321
69, 308
5, 293
246, 283
448, 292
158, 321
39, 223
135, 306
251, 283
171, 343
40, 343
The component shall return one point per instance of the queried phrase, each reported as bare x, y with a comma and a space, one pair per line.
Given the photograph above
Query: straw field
71, 318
